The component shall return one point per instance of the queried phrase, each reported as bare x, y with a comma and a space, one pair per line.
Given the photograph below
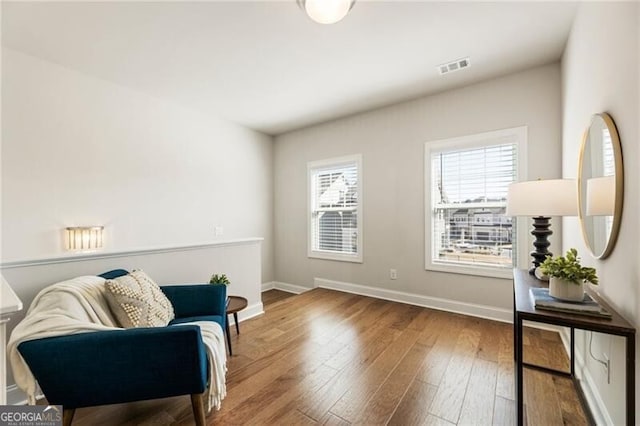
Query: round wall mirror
600, 185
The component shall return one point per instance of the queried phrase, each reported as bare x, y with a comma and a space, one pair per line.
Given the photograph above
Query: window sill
357, 258
488, 272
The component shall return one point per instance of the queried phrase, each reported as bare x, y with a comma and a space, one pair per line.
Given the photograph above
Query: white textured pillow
137, 301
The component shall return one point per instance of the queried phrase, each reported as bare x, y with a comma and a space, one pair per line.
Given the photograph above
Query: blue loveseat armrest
197, 300
107, 367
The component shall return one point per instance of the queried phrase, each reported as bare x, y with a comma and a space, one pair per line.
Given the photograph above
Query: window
466, 181
335, 212
608, 169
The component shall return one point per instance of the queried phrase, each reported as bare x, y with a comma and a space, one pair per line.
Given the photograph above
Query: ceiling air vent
453, 66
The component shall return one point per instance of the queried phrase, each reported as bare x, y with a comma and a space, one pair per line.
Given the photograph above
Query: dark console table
524, 310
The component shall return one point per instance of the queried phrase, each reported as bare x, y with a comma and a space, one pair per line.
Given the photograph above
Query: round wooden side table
234, 305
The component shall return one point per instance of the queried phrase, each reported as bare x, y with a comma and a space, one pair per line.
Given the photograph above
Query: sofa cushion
137, 301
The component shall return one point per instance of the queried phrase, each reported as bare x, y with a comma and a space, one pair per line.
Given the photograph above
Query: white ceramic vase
566, 290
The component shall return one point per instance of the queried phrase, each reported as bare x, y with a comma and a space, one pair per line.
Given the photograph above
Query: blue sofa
118, 366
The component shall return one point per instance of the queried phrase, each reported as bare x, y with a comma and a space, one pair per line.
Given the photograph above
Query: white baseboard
543, 326
289, 288
481, 311
15, 395
588, 385
248, 312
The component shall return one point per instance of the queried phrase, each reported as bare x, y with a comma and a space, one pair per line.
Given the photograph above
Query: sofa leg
67, 416
197, 402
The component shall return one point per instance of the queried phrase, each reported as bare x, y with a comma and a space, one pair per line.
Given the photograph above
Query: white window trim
330, 163
471, 141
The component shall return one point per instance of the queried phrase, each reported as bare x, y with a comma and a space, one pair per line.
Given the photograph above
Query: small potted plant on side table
234, 305
568, 276
220, 279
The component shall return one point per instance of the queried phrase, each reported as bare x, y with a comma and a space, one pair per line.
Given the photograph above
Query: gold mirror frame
618, 175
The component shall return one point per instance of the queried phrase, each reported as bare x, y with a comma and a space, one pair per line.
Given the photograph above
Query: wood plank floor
331, 358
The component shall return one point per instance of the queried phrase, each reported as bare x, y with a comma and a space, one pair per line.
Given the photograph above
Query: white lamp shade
551, 197
601, 192
327, 11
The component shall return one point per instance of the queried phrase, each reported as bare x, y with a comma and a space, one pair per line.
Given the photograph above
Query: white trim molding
542, 326
597, 406
289, 288
474, 310
16, 396
268, 286
125, 253
247, 313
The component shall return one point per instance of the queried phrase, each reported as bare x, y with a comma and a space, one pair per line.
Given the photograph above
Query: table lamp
541, 199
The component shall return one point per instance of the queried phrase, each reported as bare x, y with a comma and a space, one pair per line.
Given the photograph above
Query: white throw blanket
79, 306
213, 339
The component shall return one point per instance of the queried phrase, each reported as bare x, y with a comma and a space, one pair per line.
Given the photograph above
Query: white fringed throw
213, 339
69, 307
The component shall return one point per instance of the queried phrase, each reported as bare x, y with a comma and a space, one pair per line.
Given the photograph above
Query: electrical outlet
393, 274
219, 230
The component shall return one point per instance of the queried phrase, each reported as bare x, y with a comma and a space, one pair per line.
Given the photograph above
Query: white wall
77, 150
600, 74
391, 141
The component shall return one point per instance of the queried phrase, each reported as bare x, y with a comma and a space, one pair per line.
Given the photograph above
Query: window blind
608, 160
334, 208
469, 193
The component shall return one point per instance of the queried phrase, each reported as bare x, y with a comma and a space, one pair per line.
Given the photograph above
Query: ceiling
265, 65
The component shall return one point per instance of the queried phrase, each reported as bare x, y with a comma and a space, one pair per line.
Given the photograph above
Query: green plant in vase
568, 276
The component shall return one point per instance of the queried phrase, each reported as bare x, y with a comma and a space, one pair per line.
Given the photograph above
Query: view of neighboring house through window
335, 216
467, 180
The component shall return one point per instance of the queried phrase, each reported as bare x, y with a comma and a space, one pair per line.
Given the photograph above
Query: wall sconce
601, 192
84, 238
542, 199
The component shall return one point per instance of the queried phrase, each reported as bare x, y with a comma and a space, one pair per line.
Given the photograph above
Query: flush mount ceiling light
326, 11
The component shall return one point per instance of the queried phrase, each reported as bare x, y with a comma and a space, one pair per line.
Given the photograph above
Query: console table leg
515, 335
519, 373
573, 353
